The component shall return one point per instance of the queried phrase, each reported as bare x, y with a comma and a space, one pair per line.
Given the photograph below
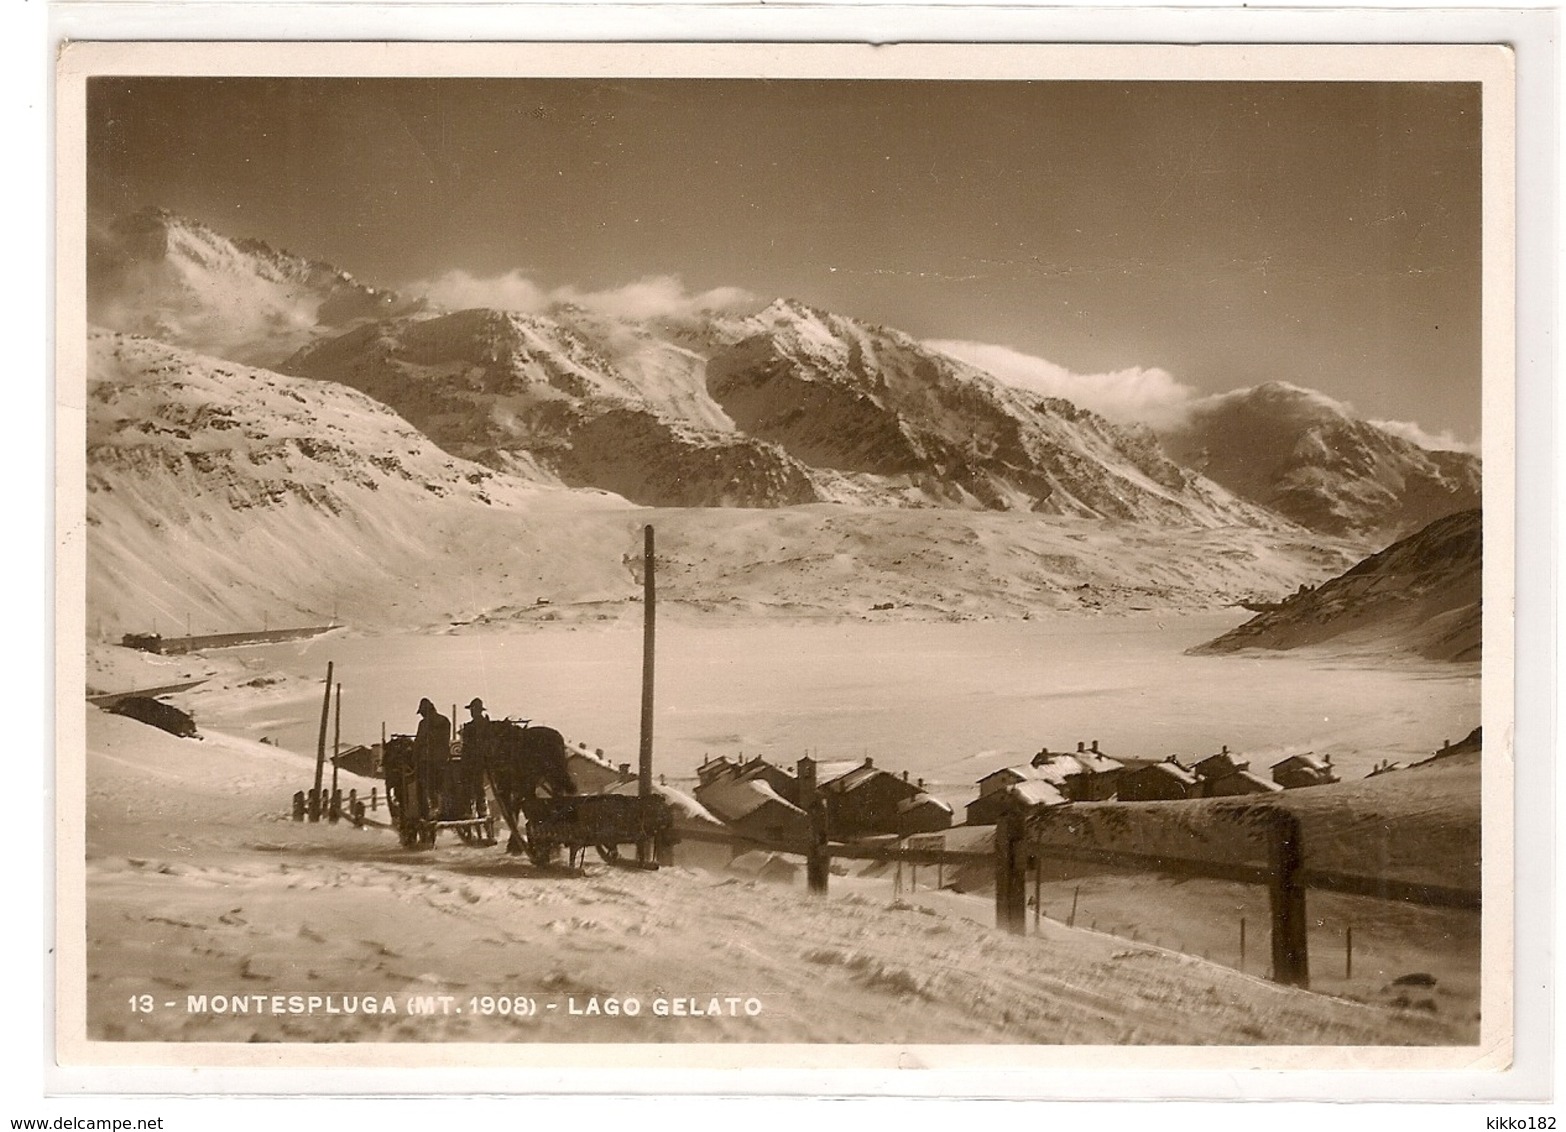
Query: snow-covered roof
919, 800
1260, 785
831, 772
1096, 764
1056, 770
862, 774
733, 799
682, 803
1214, 766
1170, 770
1307, 760
1037, 794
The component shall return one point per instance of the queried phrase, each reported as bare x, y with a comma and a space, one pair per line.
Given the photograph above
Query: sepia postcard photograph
786, 556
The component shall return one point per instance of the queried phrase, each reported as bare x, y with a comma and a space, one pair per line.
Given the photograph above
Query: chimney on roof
1224, 750
1079, 746
1094, 747
905, 776
599, 751
625, 770
921, 784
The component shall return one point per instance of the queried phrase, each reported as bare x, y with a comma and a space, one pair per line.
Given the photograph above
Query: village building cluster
858, 799
1053, 778
770, 803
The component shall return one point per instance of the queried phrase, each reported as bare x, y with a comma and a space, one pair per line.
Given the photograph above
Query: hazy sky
1326, 234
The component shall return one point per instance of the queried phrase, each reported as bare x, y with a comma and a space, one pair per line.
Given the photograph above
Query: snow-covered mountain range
371, 428
791, 405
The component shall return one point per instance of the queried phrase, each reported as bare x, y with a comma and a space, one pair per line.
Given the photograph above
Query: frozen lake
946, 701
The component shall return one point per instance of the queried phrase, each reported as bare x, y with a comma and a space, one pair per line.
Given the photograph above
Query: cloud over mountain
1443, 441
652, 296
1129, 396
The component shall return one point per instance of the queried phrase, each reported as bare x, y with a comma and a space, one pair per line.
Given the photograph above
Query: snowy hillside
1307, 457
194, 871
224, 495
1422, 594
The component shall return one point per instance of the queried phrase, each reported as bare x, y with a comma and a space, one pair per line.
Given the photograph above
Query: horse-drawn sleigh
523, 771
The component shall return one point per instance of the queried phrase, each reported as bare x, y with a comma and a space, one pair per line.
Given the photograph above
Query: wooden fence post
1011, 880
1038, 895
1002, 869
818, 860
818, 863
1286, 897
299, 805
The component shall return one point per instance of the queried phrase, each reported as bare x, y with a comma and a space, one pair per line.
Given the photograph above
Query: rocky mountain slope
1422, 595
218, 496
531, 393
1307, 457
792, 405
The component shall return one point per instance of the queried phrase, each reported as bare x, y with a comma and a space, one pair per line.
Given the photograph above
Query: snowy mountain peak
1310, 458
157, 273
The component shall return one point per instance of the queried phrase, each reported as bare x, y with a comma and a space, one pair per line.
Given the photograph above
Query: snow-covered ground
204, 897
197, 882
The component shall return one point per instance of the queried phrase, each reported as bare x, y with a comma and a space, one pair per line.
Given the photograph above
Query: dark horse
399, 767
518, 760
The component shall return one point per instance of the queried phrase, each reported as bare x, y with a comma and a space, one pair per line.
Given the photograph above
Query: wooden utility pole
644, 848
320, 747
337, 737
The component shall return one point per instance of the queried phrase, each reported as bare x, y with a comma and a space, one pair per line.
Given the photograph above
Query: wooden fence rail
1018, 849
1021, 847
